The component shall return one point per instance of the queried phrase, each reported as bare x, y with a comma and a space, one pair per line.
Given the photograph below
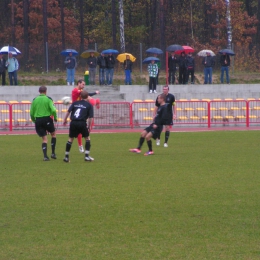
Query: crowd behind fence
37, 59
194, 113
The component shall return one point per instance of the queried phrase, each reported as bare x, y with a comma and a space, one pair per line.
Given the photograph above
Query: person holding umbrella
110, 63
172, 63
128, 69
190, 64
12, 68
153, 71
92, 63
101, 62
208, 63
225, 63
71, 64
2, 68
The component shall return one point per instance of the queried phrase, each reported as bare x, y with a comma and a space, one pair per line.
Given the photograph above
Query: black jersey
170, 99
81, 110
163, 114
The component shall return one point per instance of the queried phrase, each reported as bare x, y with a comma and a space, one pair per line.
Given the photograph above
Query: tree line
79, 24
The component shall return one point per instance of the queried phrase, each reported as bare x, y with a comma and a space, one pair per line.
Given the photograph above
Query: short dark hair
84, 94
42, 89
79, 81
166, 87
163, 96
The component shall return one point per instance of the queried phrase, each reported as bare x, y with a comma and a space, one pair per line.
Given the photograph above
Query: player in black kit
170, 99
154, 130
80, 111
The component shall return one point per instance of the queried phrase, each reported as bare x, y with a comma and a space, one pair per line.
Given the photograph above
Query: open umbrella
227, 51
86, 53
186, 50
154, 50
122, 57
149, 59
174, 47
108, 51
68, 51
203, 53
9, 49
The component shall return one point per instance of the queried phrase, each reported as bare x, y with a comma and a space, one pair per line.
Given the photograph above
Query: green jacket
42, 106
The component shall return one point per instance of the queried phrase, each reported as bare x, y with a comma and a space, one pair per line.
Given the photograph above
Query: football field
197, 199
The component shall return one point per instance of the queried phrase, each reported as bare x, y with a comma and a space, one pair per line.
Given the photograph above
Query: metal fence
200, 113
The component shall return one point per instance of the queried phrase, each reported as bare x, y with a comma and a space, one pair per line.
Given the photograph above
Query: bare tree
114, 23
229, 26
81, 14
162, 29
121, 25
25, 30
45, 32
62, 23
12, 21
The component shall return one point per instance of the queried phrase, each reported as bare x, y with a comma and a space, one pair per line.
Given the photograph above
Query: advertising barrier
16, 115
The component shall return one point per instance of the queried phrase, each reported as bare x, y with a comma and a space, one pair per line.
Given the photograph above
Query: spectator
71, 64
92, 64
208, 63
225, 63
110, 63
190, 65
101, 62
159, 67
12, 68
128, 69
2, 68
182, 69
153, 71
172, 62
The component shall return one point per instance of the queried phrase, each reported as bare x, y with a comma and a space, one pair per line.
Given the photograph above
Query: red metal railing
136, 114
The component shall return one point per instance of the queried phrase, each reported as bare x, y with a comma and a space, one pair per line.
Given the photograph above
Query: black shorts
155, 132
44, 125
168, 122
78, 127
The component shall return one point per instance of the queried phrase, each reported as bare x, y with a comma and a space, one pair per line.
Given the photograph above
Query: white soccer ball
66, 100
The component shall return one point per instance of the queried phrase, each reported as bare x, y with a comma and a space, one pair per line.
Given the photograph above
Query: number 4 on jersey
77, 113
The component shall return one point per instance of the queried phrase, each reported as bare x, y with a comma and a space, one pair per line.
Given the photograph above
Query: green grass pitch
197, 199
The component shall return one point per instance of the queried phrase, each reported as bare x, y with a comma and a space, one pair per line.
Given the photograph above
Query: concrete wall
20, 93
195, 91
129, 93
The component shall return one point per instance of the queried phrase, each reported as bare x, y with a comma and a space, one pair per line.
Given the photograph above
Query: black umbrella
174, 47
227, 51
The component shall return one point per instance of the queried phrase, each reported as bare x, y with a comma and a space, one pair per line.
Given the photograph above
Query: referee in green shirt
42, 109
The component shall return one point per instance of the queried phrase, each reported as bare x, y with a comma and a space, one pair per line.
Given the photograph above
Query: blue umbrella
9, 49
227, 51
154, 50
149, 59
174, 47
68, 51
108, 51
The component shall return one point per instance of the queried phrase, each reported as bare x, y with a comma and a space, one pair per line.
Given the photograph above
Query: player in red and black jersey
80, 112
154, 130
75, 95
170, 99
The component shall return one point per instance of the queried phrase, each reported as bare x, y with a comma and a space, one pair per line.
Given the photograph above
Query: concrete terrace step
129, 93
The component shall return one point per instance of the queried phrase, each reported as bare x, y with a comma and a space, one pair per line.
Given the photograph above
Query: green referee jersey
42, 106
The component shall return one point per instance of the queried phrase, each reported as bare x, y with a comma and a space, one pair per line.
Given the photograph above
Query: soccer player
80, 111
154, 130
41, 110
75, 95
170, 99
